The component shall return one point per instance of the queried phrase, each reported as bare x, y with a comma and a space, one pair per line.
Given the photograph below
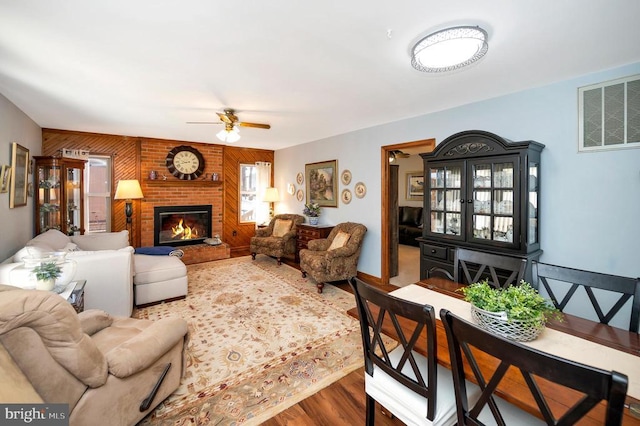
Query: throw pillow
52, 238
281, 227
339, 240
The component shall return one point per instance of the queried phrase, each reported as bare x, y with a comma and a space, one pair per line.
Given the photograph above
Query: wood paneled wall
124, 152
236, 234
135, 157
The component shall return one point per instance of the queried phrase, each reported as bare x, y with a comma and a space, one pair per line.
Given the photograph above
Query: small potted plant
46, 274
517, 312
312, 210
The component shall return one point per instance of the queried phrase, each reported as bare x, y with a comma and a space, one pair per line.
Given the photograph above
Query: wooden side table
307, 233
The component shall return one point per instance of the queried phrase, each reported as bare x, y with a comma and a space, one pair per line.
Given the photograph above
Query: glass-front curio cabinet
481, 192
59, 194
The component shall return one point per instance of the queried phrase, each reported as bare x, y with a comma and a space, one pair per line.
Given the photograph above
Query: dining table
571, 337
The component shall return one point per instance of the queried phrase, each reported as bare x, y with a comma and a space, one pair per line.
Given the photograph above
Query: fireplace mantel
175, 182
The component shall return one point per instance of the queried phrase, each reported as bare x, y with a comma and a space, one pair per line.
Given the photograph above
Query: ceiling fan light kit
229, 135
449, 49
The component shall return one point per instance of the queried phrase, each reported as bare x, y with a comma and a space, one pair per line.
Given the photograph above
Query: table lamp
271, 196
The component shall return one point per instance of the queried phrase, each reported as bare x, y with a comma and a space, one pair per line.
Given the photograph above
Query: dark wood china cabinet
481, 192
59, 194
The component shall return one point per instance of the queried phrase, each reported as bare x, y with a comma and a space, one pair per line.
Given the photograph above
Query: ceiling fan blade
257, 125
204, 122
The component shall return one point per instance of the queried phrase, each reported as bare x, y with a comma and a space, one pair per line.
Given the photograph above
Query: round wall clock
185, 162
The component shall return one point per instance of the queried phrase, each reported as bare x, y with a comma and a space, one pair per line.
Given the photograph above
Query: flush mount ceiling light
449, 49
229, 134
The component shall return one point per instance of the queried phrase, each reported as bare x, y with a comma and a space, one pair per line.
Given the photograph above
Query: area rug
261, 339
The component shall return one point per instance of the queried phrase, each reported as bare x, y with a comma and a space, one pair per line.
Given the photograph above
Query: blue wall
590, 202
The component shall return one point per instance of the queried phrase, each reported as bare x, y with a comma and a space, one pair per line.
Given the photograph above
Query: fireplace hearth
181, 225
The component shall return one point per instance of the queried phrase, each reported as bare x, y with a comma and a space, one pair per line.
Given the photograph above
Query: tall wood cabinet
59, 198
481, 192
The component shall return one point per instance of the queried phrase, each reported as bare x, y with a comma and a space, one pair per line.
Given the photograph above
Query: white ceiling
310, 69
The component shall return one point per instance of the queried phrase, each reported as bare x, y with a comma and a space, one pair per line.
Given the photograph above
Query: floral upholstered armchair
336, 257
278, 239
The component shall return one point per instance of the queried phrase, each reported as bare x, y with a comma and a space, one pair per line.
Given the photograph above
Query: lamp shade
271, 195
128, 190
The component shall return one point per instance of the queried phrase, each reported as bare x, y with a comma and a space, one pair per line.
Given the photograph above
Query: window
97, 194
609, 115
248, 192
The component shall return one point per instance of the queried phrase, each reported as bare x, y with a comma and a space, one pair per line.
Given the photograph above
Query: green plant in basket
519, 302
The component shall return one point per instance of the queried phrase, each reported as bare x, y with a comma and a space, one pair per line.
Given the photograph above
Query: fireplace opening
181, 225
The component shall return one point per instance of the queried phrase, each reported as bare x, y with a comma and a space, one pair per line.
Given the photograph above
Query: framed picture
415, 186
5, 177
322, 183
19, 174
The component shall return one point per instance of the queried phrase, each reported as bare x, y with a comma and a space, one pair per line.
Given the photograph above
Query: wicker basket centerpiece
516, 312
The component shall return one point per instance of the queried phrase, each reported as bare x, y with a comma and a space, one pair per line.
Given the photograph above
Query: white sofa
104, 260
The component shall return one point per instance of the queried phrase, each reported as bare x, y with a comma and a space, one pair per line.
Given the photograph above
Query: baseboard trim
369, 279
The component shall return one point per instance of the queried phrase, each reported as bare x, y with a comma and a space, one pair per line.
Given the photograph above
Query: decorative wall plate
291, 189
345, 196
299, 178
300, 195
360, 190
345, 177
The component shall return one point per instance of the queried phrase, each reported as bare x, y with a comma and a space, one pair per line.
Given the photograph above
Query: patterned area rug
261, 339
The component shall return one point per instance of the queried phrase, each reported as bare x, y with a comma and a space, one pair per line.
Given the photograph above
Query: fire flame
184, 232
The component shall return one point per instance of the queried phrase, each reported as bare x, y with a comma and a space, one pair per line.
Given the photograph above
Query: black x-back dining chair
592, 385
411, 386
556, 279
469, 266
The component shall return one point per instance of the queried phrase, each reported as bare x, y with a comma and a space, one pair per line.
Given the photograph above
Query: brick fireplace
175, 192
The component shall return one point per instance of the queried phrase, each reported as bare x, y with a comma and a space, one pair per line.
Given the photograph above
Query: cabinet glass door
48, 208
445, 195
493, 188
73, 197
533, 204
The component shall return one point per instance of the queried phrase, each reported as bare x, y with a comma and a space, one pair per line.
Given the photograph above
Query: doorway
390, 191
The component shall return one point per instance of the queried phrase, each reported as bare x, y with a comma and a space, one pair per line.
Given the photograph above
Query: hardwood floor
341, 403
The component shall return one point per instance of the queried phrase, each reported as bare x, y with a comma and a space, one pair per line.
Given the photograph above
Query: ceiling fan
396, 153
231, 123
